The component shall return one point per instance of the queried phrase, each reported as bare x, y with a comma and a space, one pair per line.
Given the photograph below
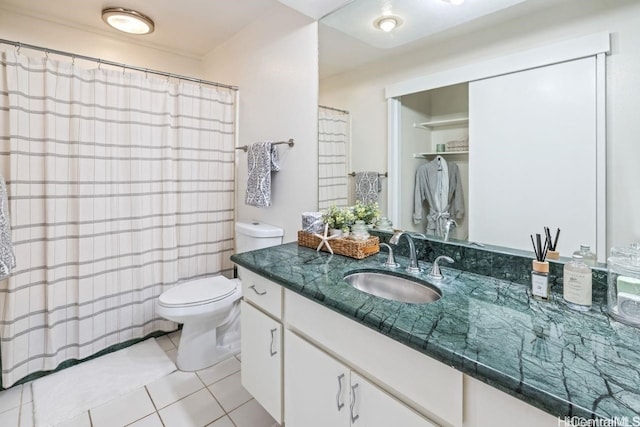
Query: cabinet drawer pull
340, 404
353, 403
257, 291
273, 340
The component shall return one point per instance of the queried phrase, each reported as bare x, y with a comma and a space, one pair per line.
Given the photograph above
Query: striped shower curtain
120, 185
333, 148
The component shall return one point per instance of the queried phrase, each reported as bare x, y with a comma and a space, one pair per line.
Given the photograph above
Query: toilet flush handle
257, 291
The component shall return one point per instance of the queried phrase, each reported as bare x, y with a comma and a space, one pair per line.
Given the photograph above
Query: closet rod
290, 143
386, 174
115, 64
334, 109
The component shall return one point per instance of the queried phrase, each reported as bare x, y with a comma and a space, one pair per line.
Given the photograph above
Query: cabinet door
316, 386
532, 156
372, 407
262, 359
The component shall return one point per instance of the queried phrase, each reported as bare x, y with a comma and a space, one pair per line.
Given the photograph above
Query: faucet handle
435, 269
391, 261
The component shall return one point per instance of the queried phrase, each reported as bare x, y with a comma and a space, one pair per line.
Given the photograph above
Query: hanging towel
367, 187
7, 257
262, 158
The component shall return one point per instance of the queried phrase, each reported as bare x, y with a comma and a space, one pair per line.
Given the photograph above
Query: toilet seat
198, 292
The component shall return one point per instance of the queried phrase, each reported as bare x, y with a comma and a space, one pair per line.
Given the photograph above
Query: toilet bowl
209, 310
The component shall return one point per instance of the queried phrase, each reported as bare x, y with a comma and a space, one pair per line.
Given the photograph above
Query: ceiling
189, 27
194, 28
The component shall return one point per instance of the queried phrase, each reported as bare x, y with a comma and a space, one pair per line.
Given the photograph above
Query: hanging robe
439, 183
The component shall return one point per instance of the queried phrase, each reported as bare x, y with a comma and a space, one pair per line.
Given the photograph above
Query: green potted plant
338, 219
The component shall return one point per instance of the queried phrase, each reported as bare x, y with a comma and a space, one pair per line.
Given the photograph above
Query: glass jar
623, 294
359, 231
384, 224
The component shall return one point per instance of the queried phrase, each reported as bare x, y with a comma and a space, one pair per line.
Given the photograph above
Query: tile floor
211, 397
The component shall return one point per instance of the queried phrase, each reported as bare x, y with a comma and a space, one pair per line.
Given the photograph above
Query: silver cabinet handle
257, 291
340, 405
353, 403
273, 340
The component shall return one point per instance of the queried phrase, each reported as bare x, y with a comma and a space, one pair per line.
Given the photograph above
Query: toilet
209, 307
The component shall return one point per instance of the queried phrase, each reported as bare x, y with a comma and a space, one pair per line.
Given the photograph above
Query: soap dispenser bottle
588, 257
577, 284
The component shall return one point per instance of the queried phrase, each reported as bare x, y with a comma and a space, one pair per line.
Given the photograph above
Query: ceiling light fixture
454, 2
127, 20
387, 22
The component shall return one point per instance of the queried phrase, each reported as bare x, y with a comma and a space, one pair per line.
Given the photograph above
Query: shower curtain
120, 185
333, 147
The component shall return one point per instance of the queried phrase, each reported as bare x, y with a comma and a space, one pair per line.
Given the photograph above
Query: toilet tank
256, 235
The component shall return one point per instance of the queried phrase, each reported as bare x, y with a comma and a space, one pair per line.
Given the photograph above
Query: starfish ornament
325, 239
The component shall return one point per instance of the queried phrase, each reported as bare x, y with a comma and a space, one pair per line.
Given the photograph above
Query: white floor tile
10, 398
175, 337
196, 410
165, 343
230, 393
27, 396
81, 420
152, 420
173, 355
173, 387
124, 410
11, 417
251, 414
222, 422
219, 371
26, 415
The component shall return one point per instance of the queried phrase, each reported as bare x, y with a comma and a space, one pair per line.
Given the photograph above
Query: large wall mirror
478, 82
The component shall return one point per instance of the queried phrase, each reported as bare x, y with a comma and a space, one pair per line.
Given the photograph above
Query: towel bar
290, 143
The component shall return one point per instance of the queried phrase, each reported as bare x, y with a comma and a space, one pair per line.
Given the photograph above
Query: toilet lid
200, 291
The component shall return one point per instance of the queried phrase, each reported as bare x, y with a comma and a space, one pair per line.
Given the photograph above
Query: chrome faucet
413, 266
435, 269
391, 261
450, 224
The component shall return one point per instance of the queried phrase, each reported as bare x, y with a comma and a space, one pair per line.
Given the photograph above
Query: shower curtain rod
334, 109
115, 64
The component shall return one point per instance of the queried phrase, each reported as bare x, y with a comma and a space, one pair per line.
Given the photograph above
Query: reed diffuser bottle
540, 270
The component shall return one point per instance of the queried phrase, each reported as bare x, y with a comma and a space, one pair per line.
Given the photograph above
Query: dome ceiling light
127, 20
387, 23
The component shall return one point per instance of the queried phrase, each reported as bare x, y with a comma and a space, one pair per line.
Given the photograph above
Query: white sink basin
392, 287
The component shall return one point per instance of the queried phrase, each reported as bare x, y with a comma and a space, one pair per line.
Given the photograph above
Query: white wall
52, 35
276, 68
362, 91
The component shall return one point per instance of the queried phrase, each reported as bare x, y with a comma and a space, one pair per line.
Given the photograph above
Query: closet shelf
433, 153
441, 123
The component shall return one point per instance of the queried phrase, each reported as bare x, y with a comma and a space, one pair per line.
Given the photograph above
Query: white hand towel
367, 187
7, 257
262, 158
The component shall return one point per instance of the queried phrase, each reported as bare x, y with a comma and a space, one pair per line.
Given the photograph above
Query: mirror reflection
466, 160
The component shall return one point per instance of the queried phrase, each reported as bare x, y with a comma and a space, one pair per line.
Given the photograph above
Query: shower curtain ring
19, 46
99, 63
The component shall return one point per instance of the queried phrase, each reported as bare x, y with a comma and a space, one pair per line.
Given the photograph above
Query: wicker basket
357, 249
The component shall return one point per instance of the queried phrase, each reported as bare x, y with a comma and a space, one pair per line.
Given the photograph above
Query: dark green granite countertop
563, 362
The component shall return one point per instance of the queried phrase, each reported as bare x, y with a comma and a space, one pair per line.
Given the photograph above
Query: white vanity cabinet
261, 345
311, 367
321, 391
